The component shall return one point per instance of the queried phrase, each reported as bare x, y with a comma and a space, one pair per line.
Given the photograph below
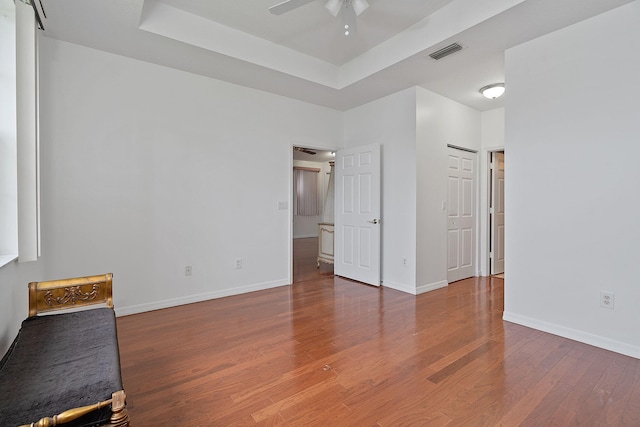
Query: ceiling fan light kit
348, 21
350, 10
358, 6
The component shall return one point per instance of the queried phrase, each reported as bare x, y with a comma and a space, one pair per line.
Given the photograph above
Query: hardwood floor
305, 267
331, 352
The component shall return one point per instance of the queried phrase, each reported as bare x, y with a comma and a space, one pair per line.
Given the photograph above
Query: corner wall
390, 122
491, 139
413, 127
572, 181
440, 121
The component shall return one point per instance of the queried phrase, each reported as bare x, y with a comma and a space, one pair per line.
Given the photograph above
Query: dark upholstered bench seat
61, 362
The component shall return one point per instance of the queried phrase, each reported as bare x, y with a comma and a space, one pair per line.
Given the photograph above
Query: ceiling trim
210, 38
177, 24
455, 17
443, 24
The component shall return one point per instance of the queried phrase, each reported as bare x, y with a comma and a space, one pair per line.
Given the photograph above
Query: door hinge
491, 211
491, 255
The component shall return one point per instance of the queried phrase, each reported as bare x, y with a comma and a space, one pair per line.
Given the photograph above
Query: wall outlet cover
607, 299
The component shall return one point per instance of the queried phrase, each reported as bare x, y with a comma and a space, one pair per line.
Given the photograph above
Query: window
307, 200
8, 147
19, 195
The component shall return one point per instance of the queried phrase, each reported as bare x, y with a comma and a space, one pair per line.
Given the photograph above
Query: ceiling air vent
445, 51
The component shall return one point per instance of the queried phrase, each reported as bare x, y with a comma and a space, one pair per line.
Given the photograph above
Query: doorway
308, 226
496, 213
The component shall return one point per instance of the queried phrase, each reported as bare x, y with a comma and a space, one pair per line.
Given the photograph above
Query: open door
461, 215
496, 212
357, 214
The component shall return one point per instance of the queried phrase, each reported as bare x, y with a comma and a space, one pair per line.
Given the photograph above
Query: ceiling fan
350, 10
305, 150
333, 6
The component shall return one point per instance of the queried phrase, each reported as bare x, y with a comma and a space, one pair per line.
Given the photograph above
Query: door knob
374, 221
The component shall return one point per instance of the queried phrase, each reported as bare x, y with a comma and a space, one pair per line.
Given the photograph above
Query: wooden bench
63, 369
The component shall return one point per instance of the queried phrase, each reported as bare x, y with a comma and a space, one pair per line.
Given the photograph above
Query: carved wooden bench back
69, 293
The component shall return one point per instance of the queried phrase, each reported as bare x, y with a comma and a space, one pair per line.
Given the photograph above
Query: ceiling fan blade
334, 6
305, 150
287, 6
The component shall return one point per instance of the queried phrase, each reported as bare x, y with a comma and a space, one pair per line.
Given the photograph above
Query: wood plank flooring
305, 267
331, 352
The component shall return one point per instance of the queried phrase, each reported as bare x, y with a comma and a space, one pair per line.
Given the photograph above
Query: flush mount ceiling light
493, 91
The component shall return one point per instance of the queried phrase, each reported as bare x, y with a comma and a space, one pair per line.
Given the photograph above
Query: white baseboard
431, 287
399, 287
574, 334
157, 305
415, 291
305, 236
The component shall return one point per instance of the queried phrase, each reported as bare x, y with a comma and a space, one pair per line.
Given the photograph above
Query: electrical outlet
238, 263
607, 299
187, 270
404, 262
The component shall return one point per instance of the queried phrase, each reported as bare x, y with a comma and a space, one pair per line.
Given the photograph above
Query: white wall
147, 169
307, 226
390, 122
14, 297
573, 181
440, 121
491, 139
413, 127
492, 129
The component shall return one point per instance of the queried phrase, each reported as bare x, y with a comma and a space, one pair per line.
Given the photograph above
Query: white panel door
461, 215
357, 214
496, 211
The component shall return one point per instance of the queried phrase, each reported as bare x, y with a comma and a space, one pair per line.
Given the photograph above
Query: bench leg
119, 416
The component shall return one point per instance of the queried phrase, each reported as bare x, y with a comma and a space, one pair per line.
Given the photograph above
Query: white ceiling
311, 29
302, 54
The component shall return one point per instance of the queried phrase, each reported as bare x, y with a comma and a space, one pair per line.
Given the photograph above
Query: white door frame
493, 172
486, 262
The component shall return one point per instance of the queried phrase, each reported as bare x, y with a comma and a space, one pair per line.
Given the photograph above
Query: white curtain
306, 190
